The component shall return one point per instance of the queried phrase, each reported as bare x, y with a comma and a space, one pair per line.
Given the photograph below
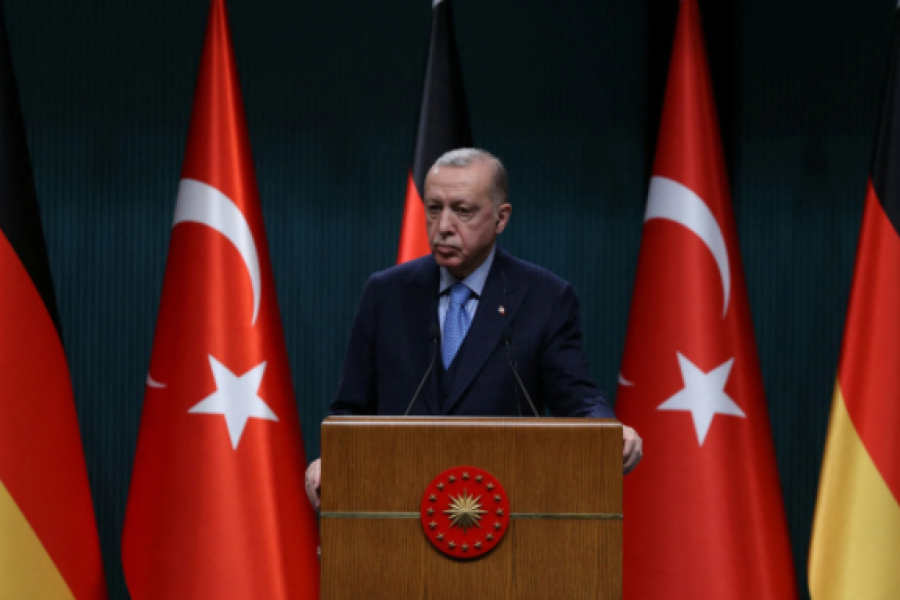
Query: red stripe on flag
413, 233
869, 373
41, 459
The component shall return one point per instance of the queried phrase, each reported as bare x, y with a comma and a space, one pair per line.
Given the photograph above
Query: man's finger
633, 449
313, 482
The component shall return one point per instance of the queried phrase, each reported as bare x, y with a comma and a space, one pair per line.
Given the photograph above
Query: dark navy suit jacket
390, 347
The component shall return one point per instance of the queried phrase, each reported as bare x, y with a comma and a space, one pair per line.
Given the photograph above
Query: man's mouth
445, 248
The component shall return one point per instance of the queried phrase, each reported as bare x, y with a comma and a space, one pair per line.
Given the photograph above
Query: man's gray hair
463, 157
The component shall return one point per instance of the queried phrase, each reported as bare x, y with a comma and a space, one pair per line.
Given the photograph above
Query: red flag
48, 538
704, 516
443, 126
856, 532
217, 507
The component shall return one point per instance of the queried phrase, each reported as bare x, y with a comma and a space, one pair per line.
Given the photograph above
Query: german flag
856, 534
48, 537
443, 126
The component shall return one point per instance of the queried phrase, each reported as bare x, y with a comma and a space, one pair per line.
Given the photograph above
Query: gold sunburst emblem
465, 511
454, 509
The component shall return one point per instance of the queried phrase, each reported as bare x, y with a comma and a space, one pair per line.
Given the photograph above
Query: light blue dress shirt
475, 282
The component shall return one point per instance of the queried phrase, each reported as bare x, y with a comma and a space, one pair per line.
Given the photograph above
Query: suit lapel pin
501, 310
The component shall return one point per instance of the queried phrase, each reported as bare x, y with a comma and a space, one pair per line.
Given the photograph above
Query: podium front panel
563, 478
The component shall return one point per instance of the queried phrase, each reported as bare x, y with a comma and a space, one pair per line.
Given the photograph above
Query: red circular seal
465, 512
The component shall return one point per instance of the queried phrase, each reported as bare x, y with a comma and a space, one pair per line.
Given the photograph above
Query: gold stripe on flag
855, 549
26, 570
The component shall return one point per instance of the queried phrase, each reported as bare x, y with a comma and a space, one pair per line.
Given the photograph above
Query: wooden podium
563, 478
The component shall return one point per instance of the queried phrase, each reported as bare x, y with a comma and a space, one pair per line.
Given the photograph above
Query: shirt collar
475, 280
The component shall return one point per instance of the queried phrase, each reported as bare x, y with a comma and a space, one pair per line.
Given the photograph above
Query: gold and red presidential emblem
465, 512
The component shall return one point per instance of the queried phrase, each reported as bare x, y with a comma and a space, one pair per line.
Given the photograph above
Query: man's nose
447, 221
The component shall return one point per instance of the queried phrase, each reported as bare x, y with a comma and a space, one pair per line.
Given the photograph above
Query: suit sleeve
356, 393
565, 372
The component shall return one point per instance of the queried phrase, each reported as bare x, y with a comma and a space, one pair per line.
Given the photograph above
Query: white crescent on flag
202, 203
670, 200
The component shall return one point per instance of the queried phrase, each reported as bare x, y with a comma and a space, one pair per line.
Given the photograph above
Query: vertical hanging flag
704, 516
443, 126
856, 533
217, 507
49, 547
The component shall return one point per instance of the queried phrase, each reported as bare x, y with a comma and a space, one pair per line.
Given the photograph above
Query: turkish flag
443, 126
703, 512
217, 507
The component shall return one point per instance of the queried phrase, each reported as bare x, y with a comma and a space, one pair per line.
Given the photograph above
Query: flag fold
703, 512
217, 507
443, 126
49, 547
856, 531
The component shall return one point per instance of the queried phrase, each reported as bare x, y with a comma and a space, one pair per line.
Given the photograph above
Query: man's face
461, 219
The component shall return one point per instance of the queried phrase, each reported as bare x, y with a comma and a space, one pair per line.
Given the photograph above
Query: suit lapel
420, 301
502, 288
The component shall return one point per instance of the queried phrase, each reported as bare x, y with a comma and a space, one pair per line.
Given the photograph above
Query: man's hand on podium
632, 450
314, 482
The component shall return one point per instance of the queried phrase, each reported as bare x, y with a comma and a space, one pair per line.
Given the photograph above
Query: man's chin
451, 263
446, 262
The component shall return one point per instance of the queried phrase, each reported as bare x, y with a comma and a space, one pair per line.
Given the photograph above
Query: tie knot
459, 293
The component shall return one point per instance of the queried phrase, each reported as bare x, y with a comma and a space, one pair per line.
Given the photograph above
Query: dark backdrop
567, 93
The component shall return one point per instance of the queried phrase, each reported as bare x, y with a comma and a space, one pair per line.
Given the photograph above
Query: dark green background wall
567, 93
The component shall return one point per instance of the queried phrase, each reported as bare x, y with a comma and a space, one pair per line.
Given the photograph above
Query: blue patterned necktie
456, 322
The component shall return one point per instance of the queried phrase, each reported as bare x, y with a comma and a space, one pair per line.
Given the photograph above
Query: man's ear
503, 213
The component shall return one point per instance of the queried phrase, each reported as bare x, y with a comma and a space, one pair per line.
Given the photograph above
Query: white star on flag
703, 395
236, 399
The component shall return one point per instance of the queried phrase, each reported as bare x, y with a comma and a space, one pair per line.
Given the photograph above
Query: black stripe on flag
444, 116
20, 217
886, 160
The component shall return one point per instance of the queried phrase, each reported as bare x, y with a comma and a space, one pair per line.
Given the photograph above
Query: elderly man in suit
486, 318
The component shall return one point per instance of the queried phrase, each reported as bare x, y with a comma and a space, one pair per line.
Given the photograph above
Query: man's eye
462, 211
433, 210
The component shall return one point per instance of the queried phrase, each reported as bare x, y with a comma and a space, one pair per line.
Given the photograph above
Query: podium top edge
340, 420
